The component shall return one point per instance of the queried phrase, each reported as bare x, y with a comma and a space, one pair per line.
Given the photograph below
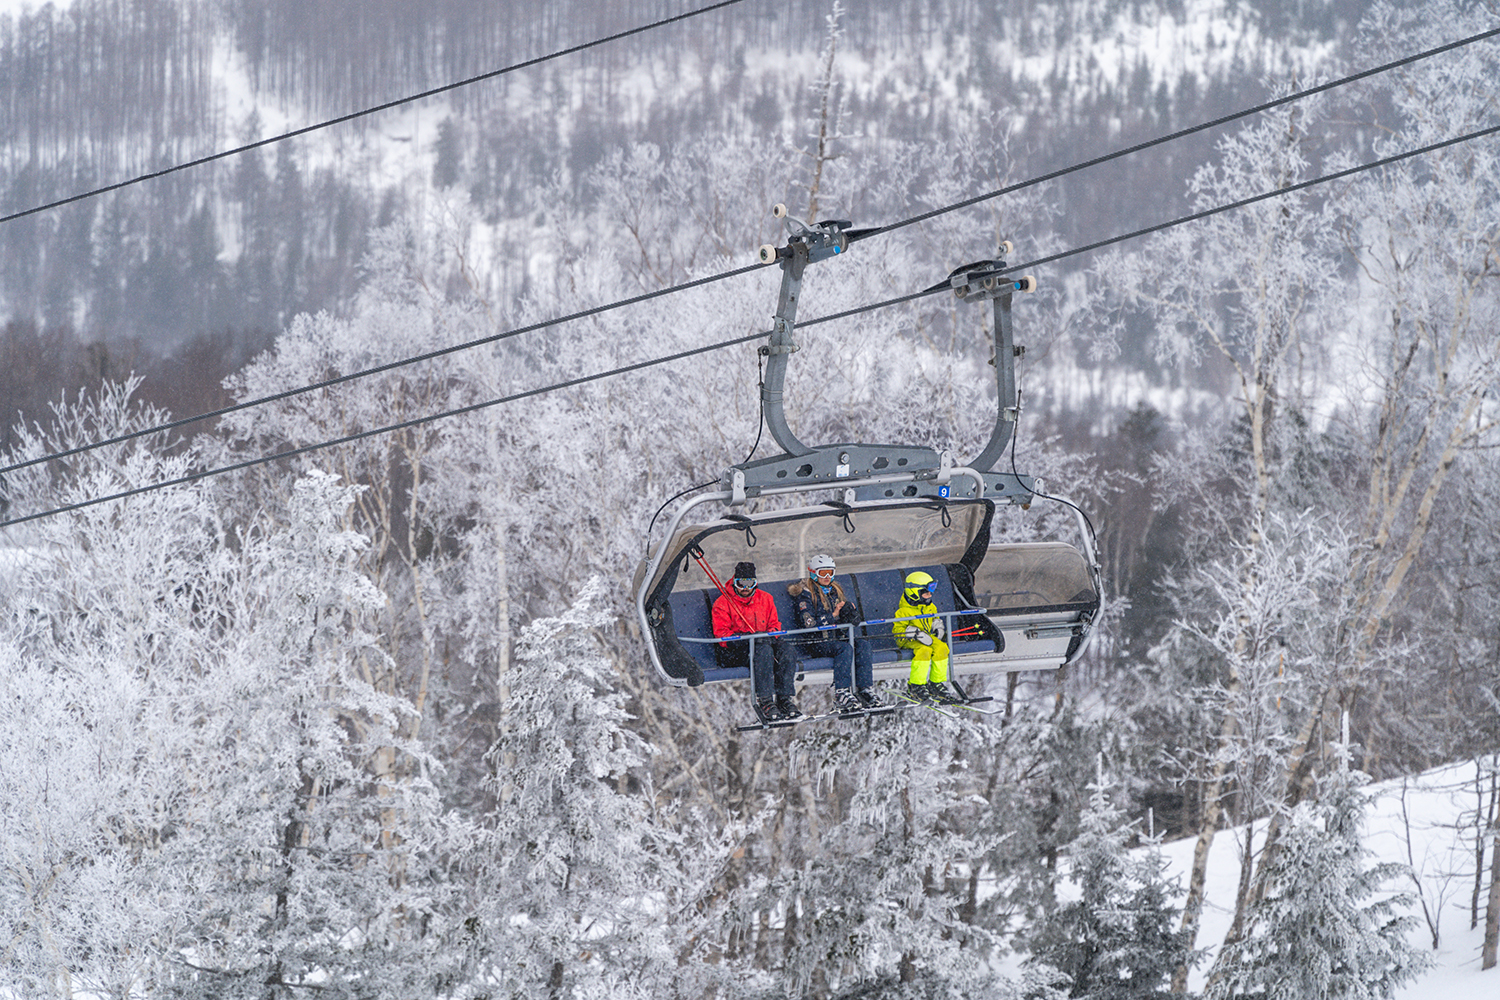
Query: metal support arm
976, 283
1005, 388
805, 244
780, 346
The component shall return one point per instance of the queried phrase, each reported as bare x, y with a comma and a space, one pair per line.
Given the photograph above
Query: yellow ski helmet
916, 584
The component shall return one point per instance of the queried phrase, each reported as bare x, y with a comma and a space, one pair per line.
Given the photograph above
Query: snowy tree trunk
1192, 908
1484, 819
502, 641
1492, 913
826, 88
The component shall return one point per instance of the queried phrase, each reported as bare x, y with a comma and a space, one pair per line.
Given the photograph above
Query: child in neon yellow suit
924, 636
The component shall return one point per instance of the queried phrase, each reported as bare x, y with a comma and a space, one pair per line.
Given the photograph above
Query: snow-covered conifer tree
578, 877
1116, 940
1325, 927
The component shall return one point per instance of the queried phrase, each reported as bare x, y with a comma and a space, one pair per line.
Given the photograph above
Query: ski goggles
744, 582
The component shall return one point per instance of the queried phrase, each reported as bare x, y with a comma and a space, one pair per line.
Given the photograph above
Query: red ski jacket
736, 615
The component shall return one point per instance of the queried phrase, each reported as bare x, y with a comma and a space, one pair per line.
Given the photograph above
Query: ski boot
939, 694
846, 701
766, 711
870, 698
788, 709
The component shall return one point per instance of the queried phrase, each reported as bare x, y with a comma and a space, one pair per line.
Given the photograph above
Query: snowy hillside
1427, 823
1061, 80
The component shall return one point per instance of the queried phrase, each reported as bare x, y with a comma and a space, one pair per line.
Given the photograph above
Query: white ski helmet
817, 562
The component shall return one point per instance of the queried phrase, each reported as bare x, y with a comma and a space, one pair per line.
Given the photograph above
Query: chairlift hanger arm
977, 282
834, 464
805, 244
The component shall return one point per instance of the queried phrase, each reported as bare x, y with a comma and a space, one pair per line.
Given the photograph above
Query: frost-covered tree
1366, 409
882, 902
187, 713
579, 881
1325, 926
1115, 941
1238, 289
428, 519
1422, 359
1425, 237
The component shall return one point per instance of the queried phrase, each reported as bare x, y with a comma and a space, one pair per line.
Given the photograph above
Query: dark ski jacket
736, 615
811, 608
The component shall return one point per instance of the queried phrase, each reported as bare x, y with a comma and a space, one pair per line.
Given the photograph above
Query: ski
964, 701
821, 717
907, 701
982, 711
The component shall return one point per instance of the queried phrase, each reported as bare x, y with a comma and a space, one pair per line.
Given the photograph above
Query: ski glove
937, 627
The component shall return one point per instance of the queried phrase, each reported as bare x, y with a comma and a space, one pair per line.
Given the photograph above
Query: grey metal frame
866, 474
831, 465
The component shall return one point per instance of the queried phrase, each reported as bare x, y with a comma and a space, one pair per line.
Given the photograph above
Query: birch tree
1237, 290
1424, 238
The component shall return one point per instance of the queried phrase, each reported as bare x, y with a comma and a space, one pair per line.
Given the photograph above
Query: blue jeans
771, 661
843, 658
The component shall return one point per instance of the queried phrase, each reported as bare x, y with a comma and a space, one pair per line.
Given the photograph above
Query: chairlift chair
882, 511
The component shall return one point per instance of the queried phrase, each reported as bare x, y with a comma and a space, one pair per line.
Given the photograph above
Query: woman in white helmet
819, 602
919, 629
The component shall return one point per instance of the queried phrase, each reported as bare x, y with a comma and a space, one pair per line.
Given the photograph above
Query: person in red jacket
744, 609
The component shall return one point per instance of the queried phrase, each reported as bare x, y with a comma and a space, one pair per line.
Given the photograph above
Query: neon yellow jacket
905, 631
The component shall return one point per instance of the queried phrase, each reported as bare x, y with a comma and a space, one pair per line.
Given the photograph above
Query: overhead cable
445, 88
1264, 196
692, 352
1182, 133
388, 429
378, 369
1021, 185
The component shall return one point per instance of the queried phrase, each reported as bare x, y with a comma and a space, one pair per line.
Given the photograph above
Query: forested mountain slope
102, 90
375, 718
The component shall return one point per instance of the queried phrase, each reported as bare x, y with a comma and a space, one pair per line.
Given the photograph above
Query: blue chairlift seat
877, 592
692, 614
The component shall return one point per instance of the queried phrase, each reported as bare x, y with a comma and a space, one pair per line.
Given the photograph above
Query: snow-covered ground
1441, 854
